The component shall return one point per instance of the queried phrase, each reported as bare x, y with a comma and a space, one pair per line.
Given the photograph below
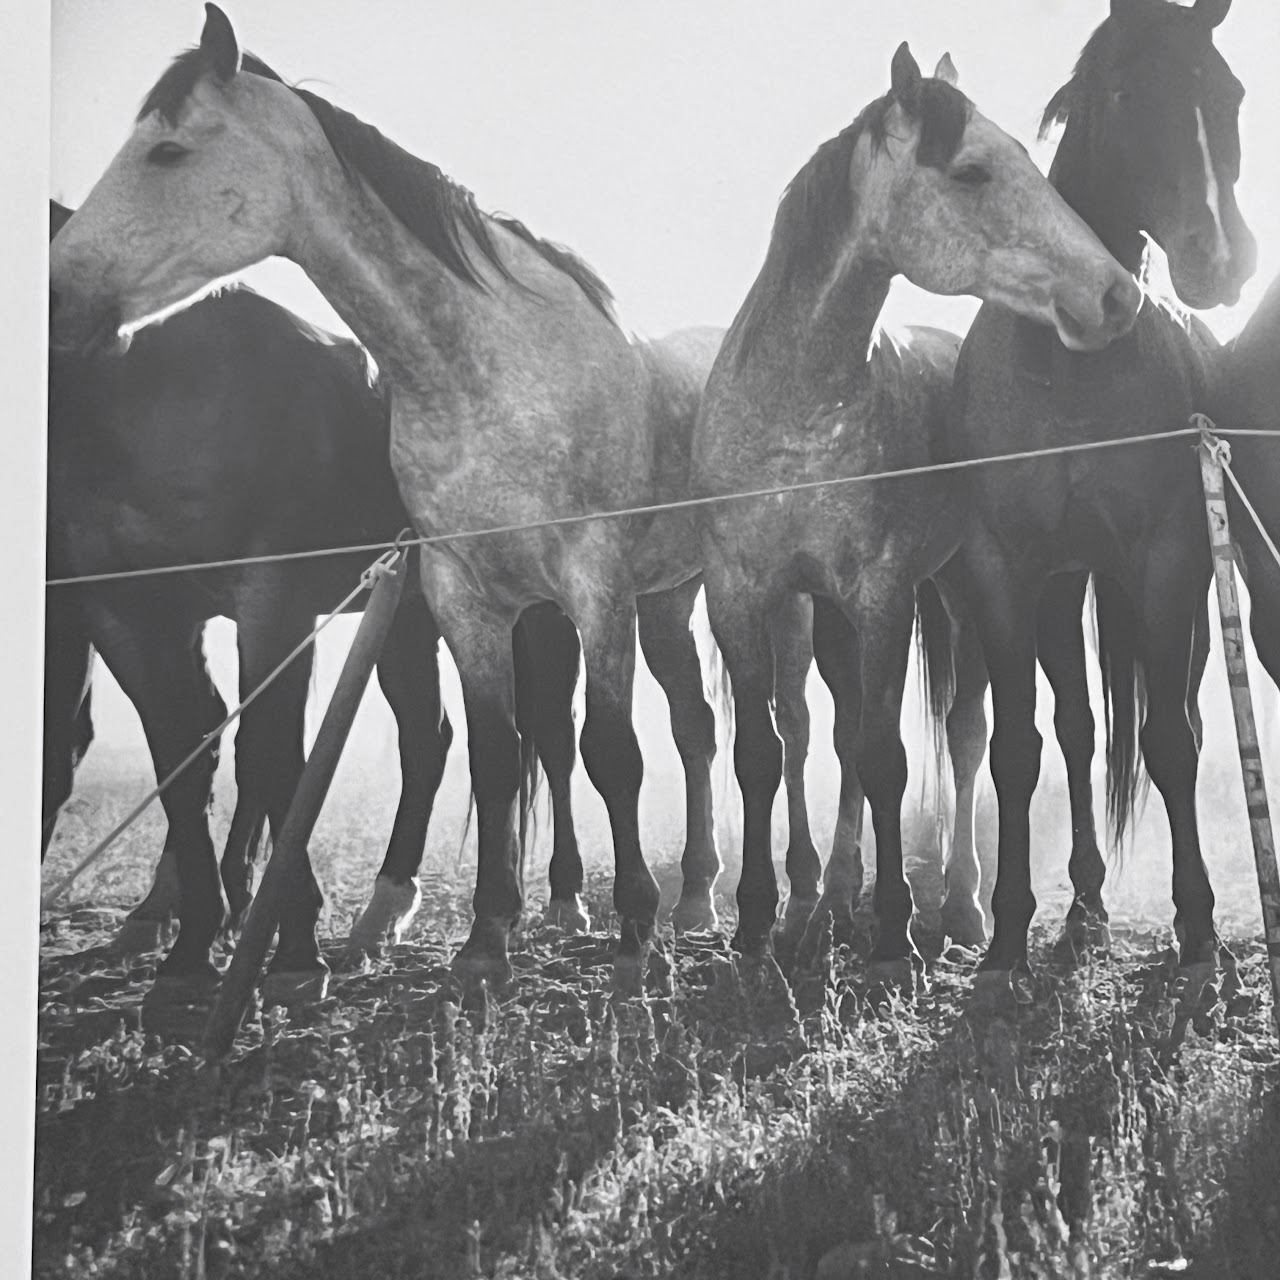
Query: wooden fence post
1213, 453
291, 845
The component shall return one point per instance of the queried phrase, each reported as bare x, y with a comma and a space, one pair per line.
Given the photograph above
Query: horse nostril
1119, 303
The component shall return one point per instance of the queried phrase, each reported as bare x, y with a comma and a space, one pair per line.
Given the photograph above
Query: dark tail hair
718, 691
935, 643
531, 776
1124, 700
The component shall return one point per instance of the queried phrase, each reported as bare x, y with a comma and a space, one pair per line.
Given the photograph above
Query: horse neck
821, 328
404, 305
1078, 180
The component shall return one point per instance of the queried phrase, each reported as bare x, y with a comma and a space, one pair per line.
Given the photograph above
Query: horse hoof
568, 914
1196, 986
483, 957
291, 988
795, 919
177, 1005
898, 974
753, 947
389, 911
695, 913
1081, 940
139, 936
961, 955
473, 968
994, 994
888, 980
963, 927
628, 975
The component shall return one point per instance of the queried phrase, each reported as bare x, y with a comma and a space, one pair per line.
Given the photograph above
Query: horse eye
166, 153
972, 175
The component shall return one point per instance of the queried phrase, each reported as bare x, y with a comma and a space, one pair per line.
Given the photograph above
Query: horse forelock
169, 94
439, 212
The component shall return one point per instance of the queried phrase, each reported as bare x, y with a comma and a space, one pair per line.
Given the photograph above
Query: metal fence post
1213, 453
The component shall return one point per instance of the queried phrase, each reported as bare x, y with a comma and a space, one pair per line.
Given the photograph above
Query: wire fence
388, 551
650, 509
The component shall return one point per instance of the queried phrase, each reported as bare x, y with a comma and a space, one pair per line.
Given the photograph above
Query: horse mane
564, 258
818, 204
440, 213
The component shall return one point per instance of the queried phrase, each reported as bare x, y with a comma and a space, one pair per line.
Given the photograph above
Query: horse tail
935, 643
1124, 701
718, 691
526, 675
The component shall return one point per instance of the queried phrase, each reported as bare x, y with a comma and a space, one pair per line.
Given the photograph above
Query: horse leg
672, 655
792, 629
1169, 748
883, 615
1005, 608
68, 719
240, 854
479, 636
1060, 648
838, 654
738, 618
1263, 578
611, 754
962, 919
270, 759
409, 675
548, 656
159, 663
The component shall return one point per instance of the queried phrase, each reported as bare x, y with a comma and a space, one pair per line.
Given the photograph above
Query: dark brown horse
174, 453
1150, 147
1249, 397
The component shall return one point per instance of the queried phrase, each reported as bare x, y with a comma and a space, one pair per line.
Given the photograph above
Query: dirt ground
729, 1124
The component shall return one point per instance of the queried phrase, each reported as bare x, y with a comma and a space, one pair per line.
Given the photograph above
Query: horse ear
946, 70
58, 216
905, 73
218, 43
1211, 12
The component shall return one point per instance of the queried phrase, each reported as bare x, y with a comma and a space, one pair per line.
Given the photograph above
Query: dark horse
1151, 145
236, 430
1249, 396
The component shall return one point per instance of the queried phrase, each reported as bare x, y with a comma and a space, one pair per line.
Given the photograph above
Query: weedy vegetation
729, 1124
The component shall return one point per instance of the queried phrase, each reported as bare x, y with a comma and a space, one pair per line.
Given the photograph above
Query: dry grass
724, 1126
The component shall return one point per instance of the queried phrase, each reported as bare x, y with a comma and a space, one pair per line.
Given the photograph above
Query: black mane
817, 206
442, 214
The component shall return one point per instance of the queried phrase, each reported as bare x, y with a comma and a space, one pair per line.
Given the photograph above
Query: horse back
230, 429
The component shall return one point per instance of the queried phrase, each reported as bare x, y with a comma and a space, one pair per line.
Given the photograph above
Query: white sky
653, 138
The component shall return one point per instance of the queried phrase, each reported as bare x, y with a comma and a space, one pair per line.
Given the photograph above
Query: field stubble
724, 1126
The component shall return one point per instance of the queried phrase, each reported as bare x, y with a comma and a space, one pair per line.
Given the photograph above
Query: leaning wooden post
1213, 454
289, 849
